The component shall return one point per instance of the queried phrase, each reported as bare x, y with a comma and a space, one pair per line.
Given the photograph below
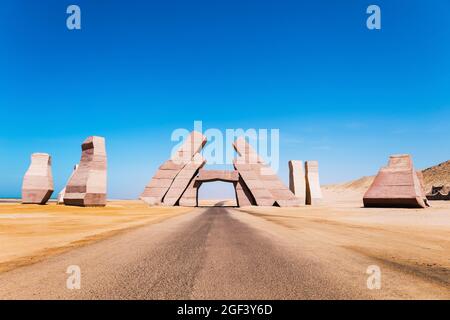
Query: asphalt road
213, 253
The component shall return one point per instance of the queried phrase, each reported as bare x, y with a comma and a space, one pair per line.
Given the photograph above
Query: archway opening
217, 194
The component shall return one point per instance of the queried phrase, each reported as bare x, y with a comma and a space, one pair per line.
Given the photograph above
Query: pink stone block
243, 195
87, 187
190, 196
266, 178
313, 190
173, 168
297, 180
183, 179
396, 185
160, 183
165, 174
37, 186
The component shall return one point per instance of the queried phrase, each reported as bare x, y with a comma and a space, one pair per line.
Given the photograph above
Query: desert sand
415, 241
318, 252
30, 233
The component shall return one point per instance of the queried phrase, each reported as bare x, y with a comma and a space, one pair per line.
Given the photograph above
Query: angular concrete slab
313, 191
396, 185
297, 180
217, 175
256, 187
243, 195
266, 178
191, 146
190, 195
62, 193
421, 181
182, 180
160, 183
37, 186
87, 187
247, 154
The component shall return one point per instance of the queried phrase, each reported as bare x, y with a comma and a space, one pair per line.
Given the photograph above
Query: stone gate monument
178, 179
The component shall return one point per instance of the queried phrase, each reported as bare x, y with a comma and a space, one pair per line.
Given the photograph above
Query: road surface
212, 253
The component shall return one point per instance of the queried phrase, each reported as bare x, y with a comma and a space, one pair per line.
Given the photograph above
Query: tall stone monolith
313, 190
297, 181
87, 187
37, 184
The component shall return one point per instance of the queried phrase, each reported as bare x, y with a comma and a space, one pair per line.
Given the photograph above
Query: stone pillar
313, 191
87, 187
297, 182
37, 186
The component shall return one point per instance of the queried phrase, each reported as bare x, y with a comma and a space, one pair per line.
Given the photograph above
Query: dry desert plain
128, 250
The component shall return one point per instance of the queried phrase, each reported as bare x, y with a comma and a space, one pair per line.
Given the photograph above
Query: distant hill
433, 176
437, 175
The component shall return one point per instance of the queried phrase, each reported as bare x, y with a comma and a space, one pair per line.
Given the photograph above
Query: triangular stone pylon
160, 184
397, 185
264, 184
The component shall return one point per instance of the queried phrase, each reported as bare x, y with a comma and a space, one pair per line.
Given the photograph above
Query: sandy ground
30, 233
223, 253
217, 203
319, 252
411, 241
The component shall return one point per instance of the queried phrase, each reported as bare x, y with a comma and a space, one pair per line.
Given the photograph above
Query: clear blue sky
339, 93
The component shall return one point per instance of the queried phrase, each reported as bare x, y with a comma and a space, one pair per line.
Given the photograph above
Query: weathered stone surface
217, 175
247, 154
421, 181
243, 195
396, 185
87, 187
183, 179
160, 183
190, 147
61, 194
297, 181
37, 186
266, 179
313, 190
190, 195
256, 187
